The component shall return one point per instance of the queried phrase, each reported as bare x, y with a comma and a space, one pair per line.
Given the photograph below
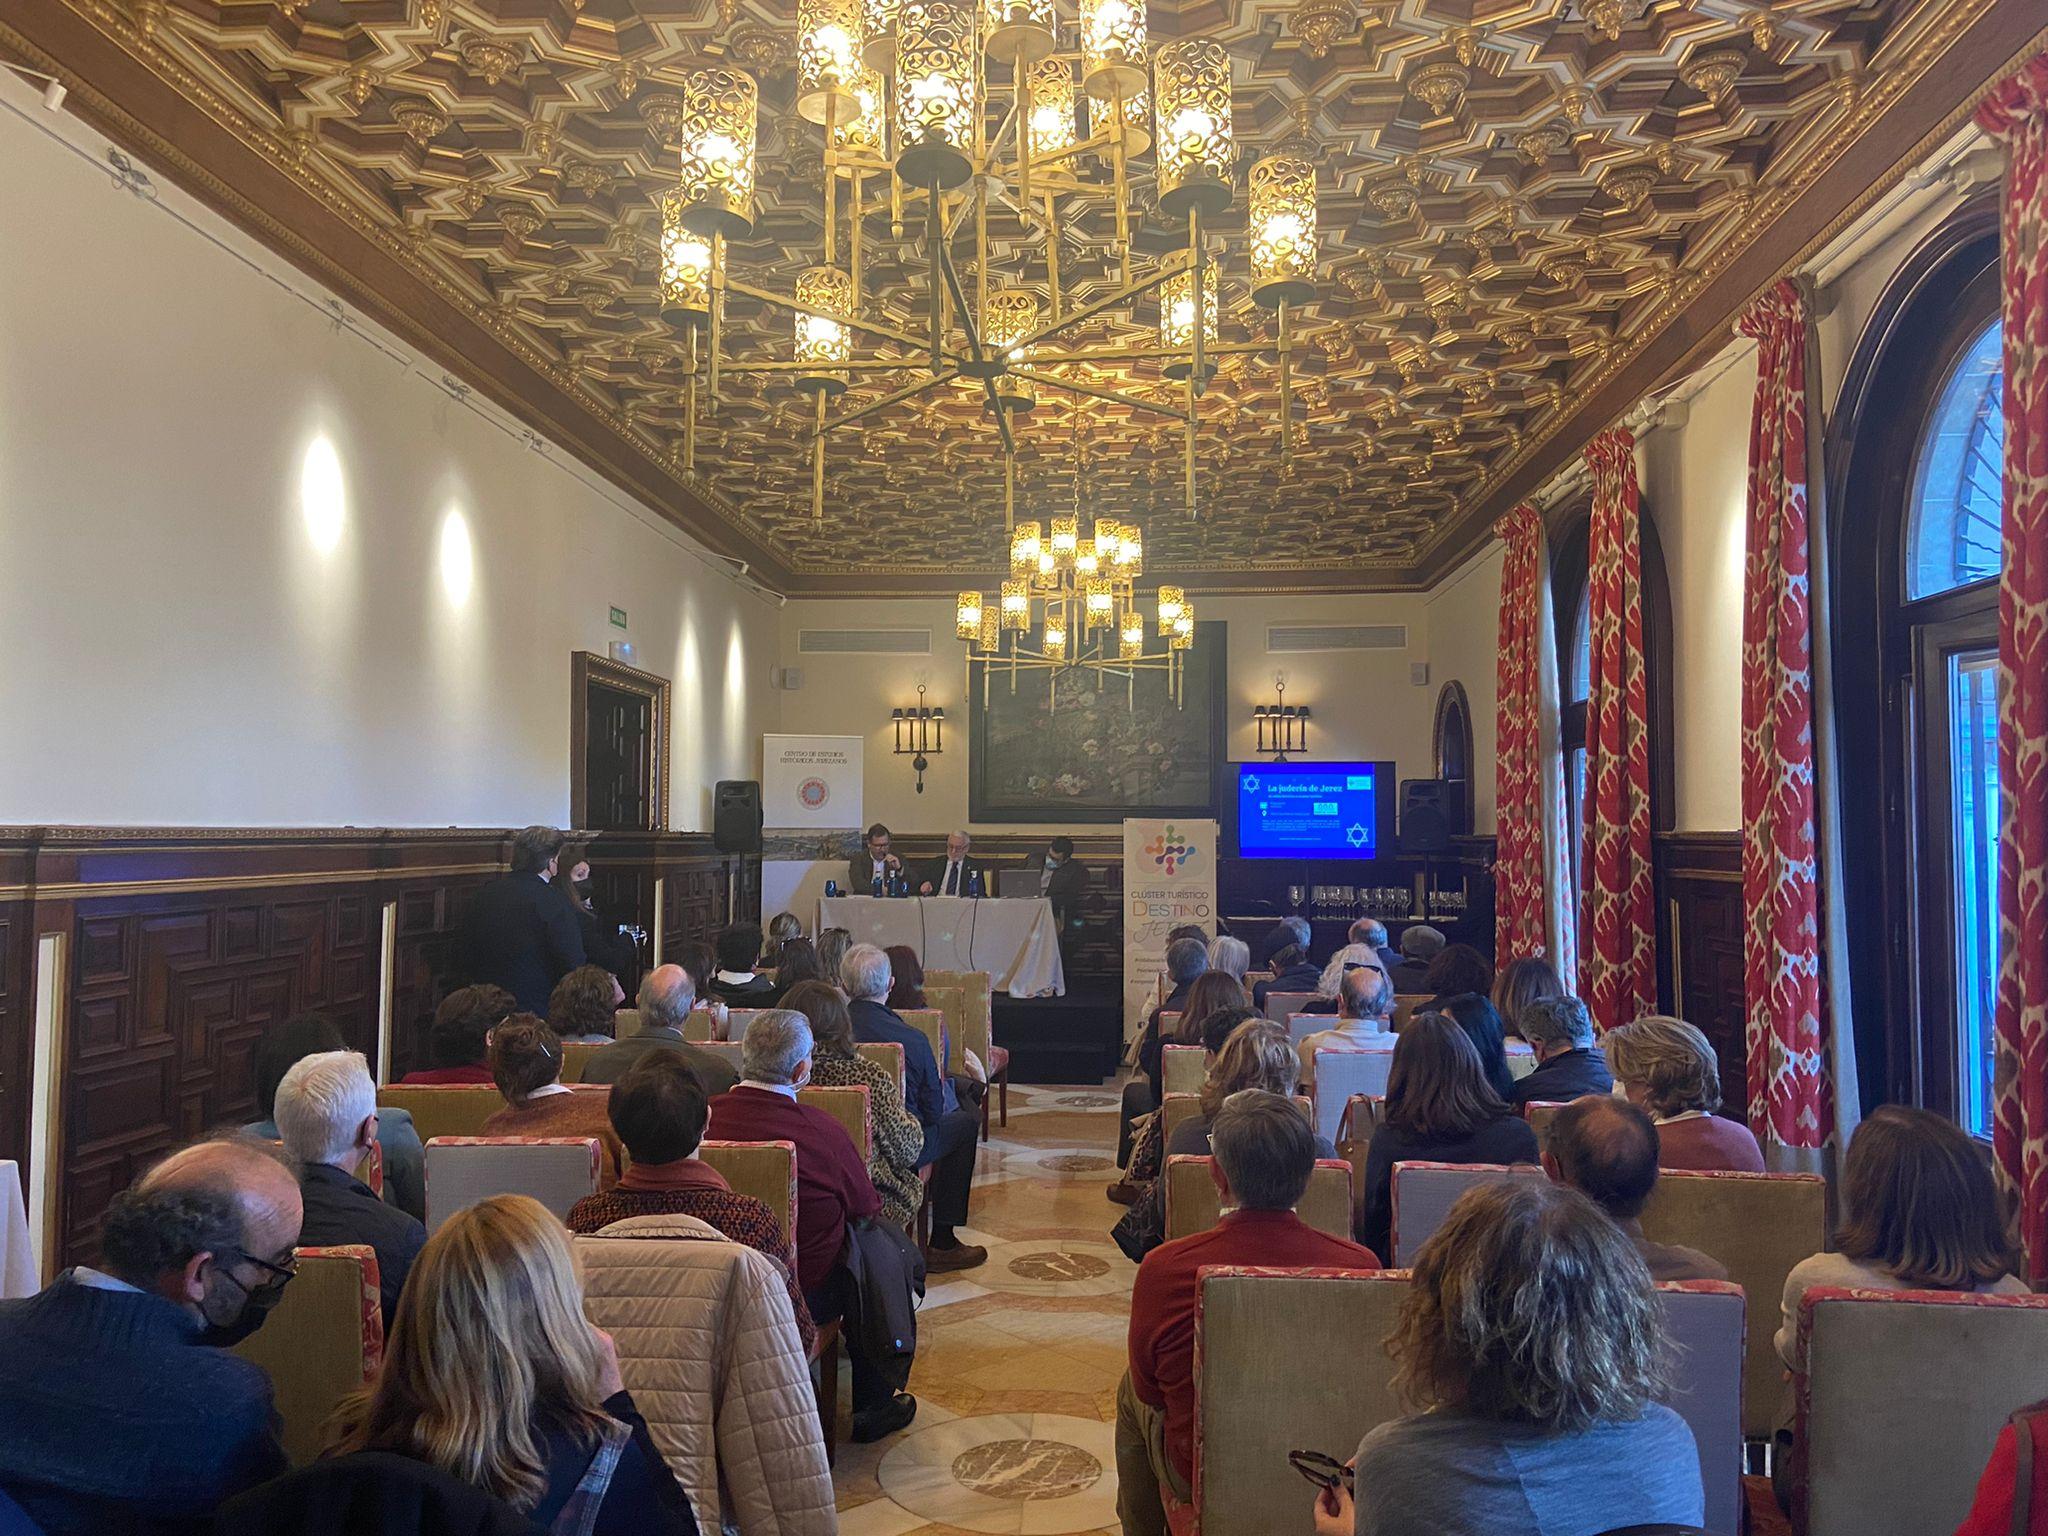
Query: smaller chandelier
685, 266
1065, 537
1130, 635
820, 341
967, 616
1018, 31
1177, 317
1025, 546
828, 59
1283, 230
937, 92
1181, 636
720, 107
1016, 606
1052, 106
1192, 108
1173, 602
867, 127
1113, 47
1007, 318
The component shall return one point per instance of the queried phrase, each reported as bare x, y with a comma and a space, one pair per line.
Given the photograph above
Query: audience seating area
323, 1342
1194, 1205
555, 1170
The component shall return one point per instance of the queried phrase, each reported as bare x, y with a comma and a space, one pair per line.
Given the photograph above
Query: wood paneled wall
1700, 946
179, 949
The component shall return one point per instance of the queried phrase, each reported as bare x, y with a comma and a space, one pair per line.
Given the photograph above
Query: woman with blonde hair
1531, 1346
1520, 983
492, 1376
1668, 1068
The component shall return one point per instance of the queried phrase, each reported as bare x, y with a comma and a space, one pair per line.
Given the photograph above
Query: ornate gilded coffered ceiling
1517, 197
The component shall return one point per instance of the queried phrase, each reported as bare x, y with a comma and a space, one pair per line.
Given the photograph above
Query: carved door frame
585, 668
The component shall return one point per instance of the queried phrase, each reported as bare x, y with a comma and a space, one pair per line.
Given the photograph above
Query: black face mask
582, 888
256, 1308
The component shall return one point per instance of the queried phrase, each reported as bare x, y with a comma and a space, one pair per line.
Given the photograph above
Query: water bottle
831, 888
974, 884
878, 880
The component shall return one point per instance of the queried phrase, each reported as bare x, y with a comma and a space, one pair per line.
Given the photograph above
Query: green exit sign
618, 618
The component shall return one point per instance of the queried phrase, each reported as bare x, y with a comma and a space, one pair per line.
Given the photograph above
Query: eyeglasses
1324, 1471
1364, 965
288, 1270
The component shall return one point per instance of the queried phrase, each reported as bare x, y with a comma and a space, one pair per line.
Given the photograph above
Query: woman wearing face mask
604, 942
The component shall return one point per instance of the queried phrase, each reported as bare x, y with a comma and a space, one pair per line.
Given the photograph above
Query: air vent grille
1336, 637
864, 642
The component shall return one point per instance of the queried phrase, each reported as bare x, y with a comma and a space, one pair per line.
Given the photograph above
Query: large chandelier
901, 89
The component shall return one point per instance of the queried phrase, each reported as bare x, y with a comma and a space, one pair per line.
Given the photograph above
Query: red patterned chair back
555, 1170
324, 1341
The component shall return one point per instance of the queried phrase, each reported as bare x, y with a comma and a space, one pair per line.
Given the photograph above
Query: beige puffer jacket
708, 1348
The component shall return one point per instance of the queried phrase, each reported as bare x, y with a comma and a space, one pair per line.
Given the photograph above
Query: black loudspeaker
1425, 816
736, 816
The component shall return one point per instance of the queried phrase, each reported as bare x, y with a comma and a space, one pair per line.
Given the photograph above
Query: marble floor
1018, 1360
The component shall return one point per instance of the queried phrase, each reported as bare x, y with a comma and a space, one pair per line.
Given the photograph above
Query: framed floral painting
1079, 745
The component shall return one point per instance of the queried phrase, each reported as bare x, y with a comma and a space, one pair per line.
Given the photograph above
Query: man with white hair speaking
327, 1119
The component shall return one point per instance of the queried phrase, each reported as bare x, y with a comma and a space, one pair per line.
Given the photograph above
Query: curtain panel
1528, 778
1790, 1096
1618, 916
2016, 112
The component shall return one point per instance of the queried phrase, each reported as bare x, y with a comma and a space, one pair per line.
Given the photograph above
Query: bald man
666, 998
118, 1413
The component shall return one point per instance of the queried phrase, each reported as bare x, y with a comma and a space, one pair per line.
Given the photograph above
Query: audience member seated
1482, 1026
1293, 971
898, 1140
581, 1009
327, 1119
1330, 983
459, 1040
1187, 959
1531, 1346
606, 944
1372, 933
1263, 1155
115, 1419
558, 1439
1520, 983
1420, 944
1568, 1063
834, 1195
906, 978
1667, 1067
782, 927
1439, 1110
666, 997
1919, 1213
1233, 957
1606, 1149
1993, 1511
698, 965
796, 962
658, 1111
1210, 993
1253, 1053
1457, 969
1148, 1136
950, 1132
520, 932
1365, 1012
954, 873
526, 1064
833, 943
736, 983
405, 1160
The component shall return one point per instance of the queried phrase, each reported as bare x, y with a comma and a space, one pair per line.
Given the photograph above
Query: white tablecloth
17, 1269
1015, 941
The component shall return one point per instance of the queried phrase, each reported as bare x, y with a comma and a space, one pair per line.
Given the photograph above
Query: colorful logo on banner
1169, 880
1170, 852
813, 793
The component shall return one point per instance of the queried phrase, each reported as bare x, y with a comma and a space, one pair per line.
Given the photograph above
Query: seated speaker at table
1058, 879
954, 874
860, 869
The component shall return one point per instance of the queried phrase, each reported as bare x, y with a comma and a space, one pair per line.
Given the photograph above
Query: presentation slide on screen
1314, 811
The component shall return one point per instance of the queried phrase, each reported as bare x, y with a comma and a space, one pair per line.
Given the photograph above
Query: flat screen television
1313, 810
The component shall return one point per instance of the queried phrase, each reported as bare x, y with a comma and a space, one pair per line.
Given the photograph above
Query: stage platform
1073, 1039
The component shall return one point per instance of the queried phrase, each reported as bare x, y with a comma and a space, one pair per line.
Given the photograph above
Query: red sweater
1162, 1339
1708, 1144
832, 1184
1991, 1514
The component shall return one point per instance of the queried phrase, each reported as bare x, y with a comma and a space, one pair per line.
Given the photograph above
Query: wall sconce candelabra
1282, 727
920, 734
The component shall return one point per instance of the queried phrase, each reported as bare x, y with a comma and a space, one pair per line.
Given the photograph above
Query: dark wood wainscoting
179, 949
1700, 946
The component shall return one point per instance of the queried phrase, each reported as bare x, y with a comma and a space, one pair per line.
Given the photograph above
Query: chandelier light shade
967, 614
1066, 535
1130, 643
828, 58
991, 639
1054, 641
720, 107
1181, 636
1177, 316
1018, 31
1007, 318
1191, 95
867, 127
1016, 605
1109, 538
1025, 543
685, 266
1087, 563
1130, 551
1113, 47
938, 95
878, 34
1283, 230
1052, 106
1173, 602
823, 342
1101, 602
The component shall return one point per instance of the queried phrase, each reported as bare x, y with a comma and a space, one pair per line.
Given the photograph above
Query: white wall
1463, 618
188, 642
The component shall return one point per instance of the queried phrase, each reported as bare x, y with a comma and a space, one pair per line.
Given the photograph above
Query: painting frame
1204, 700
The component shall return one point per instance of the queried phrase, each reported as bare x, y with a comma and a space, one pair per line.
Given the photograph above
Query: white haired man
327, 1119
955, 874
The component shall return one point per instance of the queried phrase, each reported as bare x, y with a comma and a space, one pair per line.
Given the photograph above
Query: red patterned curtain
1618, 919
1528, 781
1790, 1098
2017, 112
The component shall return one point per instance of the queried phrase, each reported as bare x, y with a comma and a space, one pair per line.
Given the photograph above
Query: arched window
1915, 463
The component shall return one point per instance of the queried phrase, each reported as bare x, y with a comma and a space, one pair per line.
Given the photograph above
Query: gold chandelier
900, 89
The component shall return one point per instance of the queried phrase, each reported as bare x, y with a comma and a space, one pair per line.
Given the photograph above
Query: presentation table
1015, 940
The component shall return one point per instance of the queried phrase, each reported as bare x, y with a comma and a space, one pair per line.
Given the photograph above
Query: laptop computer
1021, 883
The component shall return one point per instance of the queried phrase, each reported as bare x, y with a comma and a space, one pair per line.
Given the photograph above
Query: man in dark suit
736, 983
860, 869
1569, 1064
521, 933
666, 997
954, 874
1060, 881
1292, 969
